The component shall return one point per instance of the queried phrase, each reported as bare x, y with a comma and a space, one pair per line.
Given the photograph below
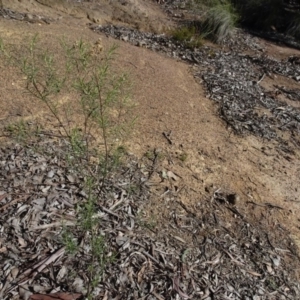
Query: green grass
189, 36
214, 19
183, 156
154, 155
22, 131
220, 22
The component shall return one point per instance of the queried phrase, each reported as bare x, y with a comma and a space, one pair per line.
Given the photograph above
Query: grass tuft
220, 22
189, 36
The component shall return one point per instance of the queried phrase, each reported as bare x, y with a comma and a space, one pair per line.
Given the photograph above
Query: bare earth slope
175, 116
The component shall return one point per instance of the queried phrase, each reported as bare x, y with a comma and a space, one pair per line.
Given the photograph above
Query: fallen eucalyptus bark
211, 251
232, 79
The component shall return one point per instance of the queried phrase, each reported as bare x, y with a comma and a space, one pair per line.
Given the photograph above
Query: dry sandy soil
168, 100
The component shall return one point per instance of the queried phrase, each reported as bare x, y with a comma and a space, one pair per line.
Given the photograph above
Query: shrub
90, 103
85, 96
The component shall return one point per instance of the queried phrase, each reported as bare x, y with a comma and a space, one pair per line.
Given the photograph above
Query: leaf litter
233, 80
210, 251
214, 250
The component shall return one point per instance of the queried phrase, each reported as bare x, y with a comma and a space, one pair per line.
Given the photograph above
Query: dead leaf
253, 273
171, 175
141, 274
3, 196
71, 178
105, 297
176, 287
24, 292
56, 296
3, 250
78, 284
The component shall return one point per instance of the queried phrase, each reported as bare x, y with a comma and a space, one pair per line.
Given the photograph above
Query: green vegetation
154, 154
183, 156
90, 105
189, 36
220, 21
21, 130
149, 223
88, 101
216, 19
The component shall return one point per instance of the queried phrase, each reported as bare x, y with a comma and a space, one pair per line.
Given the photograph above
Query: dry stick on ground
12, 202
30, 273
167, 136
266, 205
3, 196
